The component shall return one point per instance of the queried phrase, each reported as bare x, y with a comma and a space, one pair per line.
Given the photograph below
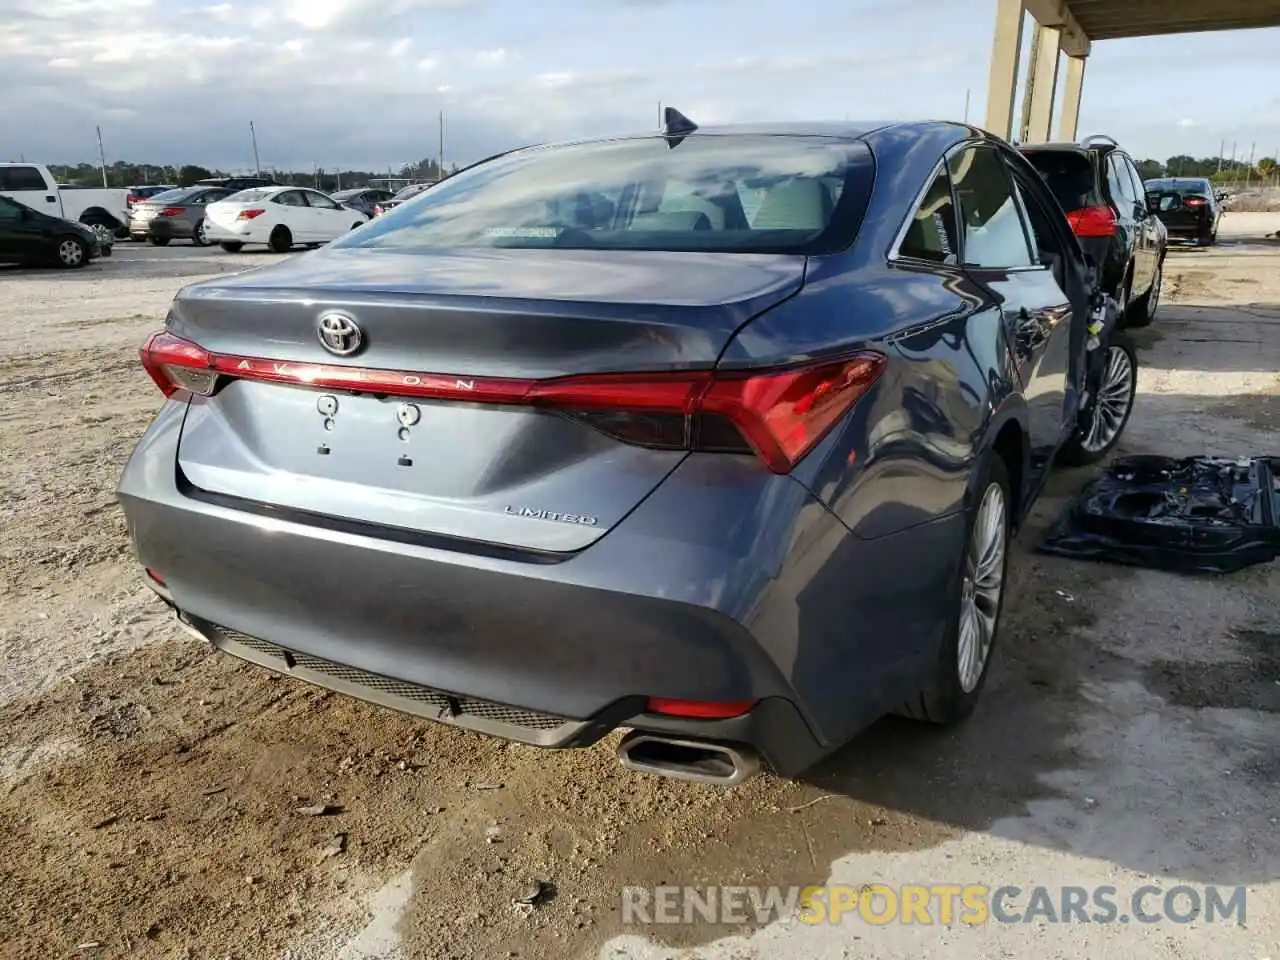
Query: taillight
249, 214
780, 414
1099, 221
1194, 202
172, 212
176, 364
130, 200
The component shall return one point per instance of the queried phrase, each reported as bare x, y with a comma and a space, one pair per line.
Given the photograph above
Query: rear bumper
166, 228
681, 600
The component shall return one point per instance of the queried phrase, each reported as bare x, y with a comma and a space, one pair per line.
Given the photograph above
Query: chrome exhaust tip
698, 761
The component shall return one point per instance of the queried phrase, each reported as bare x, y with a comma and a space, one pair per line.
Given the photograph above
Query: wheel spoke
981, 587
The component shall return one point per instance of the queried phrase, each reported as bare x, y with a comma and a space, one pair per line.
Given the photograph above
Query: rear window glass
252, 195
172, 196
1180, 187
1069, 175
410, 191
712, 193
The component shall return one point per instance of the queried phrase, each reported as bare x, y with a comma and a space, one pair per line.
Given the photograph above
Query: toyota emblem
339, 334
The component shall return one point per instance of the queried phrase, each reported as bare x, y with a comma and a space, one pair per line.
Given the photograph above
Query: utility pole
967, 94
1222, 145
102, 156
440, 152
253, 135
1248, 174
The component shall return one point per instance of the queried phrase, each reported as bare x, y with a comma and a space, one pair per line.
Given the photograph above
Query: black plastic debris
1195, 515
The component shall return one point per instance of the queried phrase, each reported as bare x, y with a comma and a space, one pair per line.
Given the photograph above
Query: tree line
1217, 169
125, 173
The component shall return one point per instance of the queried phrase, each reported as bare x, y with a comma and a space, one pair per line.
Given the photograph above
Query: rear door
296, 214
1130, 220
26, 184
999, 252
331, 219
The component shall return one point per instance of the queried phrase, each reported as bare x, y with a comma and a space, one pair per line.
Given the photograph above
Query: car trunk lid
486, 473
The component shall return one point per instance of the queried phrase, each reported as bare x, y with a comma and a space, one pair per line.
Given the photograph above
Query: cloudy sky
360, 83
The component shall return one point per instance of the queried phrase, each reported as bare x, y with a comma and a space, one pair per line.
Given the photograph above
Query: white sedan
279, 217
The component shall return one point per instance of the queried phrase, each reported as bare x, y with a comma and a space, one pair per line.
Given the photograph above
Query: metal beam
1003, 83
1069, 118
1042, 84
1075, 41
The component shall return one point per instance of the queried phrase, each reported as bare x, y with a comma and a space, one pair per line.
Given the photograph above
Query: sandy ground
149, 791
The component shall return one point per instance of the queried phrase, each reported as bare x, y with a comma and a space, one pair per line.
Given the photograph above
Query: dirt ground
153, 796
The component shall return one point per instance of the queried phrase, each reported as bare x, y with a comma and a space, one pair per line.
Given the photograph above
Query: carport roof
1085, 20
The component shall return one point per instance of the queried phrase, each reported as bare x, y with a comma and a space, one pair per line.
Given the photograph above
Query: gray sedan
174, 215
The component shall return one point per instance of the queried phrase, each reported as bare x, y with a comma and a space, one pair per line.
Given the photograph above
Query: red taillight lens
780, 414
155, 577
699, 709
249, 214
172, 212
131, 200
1099, 221
1194, 202
176, 364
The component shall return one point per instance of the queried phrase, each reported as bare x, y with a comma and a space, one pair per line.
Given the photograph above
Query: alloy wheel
1153, 298
1111, 405
982, 587
71, 252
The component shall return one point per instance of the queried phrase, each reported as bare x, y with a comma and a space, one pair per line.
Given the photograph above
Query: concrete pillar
1043, 85
1069, 120
1005, 50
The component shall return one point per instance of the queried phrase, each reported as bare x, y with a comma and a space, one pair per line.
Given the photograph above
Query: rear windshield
346, 194
252, 195
410, 191
734, 193
1180, 187
174, 196
1069, 175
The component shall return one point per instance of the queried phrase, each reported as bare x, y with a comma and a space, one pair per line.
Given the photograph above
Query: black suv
237, 183
1105, 202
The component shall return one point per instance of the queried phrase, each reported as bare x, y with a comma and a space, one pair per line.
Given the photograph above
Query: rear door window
21, 178
931, 234
993, 231
1118, 182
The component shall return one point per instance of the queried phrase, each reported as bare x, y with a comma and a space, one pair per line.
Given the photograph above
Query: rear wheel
1143, 310
955, 682
200, 235
1110, 404
72, 252
281, 240
159, 241
232, 246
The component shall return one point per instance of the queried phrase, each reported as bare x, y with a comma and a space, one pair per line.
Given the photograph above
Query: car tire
1143, 310
959, 672
1109, 408
198, 237
159, 241
72, 252
232, 246
281, 240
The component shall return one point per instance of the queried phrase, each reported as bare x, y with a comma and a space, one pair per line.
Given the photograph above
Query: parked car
33, 238
721, 438
238, 183
401, 195
1102, 194
139, 193
364, 199
33, 186
279, 217
1188, 207
175, 215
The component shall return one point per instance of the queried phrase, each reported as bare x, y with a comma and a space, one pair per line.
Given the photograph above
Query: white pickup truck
32, 185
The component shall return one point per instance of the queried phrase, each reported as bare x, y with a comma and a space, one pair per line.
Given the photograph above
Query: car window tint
1135, 180
1069, 175
732, 193
320, 201
931, 234
21, 178
9, 210
1118, 182
994, 234
291, 198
